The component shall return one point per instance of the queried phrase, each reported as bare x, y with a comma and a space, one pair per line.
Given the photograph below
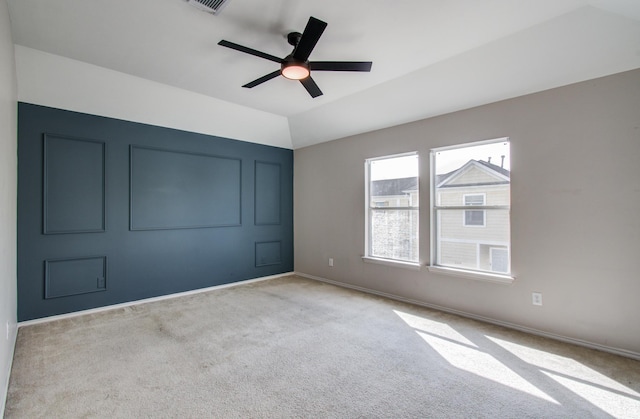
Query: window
474, 217
470, 206
499, 259
392, 208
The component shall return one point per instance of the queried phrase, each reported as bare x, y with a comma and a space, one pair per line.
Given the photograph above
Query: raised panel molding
74, 185
172, 189
268, 253
74, 276
176, 211
267, 193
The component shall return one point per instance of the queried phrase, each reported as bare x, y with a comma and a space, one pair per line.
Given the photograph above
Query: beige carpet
292, 347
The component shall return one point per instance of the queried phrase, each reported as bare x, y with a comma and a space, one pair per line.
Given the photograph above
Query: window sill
390, 262
481, 276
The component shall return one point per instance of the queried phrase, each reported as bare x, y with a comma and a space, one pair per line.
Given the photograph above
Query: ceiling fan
296, 66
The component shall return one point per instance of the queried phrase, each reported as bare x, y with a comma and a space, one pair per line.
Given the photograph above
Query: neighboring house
476, 239
479, 238
395, 230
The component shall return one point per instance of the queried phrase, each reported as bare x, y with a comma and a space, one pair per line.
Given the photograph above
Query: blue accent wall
111, 211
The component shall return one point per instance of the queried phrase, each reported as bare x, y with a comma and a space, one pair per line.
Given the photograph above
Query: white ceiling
429, 56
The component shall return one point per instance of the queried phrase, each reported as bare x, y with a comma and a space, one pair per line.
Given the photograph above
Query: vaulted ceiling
429, 56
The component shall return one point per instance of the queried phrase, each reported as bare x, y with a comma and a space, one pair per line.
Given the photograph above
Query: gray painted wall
8, 184
575, 205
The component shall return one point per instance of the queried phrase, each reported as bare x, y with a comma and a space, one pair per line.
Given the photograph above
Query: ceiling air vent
211, 6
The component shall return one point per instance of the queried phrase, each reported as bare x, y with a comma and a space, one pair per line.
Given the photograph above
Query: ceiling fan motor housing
293, 38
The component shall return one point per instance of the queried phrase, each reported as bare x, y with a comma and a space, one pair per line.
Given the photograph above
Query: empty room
319, 209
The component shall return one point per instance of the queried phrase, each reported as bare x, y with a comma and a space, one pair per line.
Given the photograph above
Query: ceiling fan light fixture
295, 71
296, 66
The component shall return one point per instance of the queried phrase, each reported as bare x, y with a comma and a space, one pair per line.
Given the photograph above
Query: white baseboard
147, 300
579, 342
5, 391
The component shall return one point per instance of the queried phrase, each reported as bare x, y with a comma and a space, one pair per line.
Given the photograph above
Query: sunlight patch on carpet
462, 353
617, 405
602, 391
439, 329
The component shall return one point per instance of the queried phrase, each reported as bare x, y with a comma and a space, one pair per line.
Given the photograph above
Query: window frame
464, 213
435, 208
369, 209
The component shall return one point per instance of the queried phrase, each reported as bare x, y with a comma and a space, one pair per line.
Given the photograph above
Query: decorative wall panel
175, 204
73, 185
173, 189
267, 193
73, 276
268, 253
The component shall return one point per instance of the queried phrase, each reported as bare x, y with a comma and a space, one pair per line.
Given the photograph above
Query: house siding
468, 246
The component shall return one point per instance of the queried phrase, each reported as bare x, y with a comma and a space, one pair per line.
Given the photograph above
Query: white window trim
367, 231
476, 241
415, 266
479, 275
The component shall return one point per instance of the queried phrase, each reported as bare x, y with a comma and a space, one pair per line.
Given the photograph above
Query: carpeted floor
292, 347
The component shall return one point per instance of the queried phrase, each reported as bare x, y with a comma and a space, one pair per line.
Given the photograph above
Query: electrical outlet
536, 298
330, 261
